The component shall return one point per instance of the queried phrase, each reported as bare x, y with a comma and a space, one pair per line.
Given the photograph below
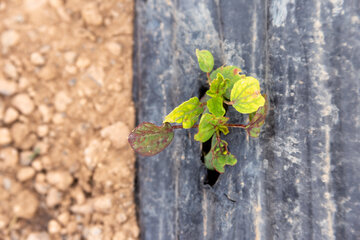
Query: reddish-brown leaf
148, 139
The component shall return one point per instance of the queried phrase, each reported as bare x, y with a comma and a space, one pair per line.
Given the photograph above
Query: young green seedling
227, 85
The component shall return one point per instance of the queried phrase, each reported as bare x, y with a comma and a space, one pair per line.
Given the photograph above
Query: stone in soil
4, 220
53, 198
38, 236
64, 218
103, 203
28, 142
93, 233
86, 208
117, 134
7, 88
25, 173
5, 137
82, 62
114, 48
10, 38
62, 100
26, 158
60, 179
25, 204
37, 59
91, 15
42, 130
23, 103
10, 115
47, 73
46, 113
70, 57
9, 156
54, 227
121, 217
19, 131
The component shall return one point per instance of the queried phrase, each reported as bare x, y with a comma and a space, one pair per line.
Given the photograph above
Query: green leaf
246, 96
216, 107
229, 72
219, 156
257, 119
218, 86
224, 129
223, 159
148, 139
208, 125
205, 59
208, 156
186, 113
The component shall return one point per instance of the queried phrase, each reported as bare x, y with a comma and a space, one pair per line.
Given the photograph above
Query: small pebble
120, 235
23, 103
117, 134
45, 112
5, 137
54, 227
19, 131
103, 203
121, 217
62, 100
91, 15
78, 195
7, 183
47, 73
114, 48
37, 59
26, 158
64, 218
71, 69
71, 227
42, 130
10, 115
4, 220
7, 88
9, 156
53, 198
9, 38
25, 204
70, 57
82, 62
10, 70
81, 209
37, 165
38, 236
25, 173
41, 188
93, 233
23, 83
91, 154
28, 143
60, 179
58, 118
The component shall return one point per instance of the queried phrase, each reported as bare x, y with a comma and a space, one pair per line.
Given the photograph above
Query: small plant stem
208, 77
236, 125
229, 103
227, 125
202, 104
180, 126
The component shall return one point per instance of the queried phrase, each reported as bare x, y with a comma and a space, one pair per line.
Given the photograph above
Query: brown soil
66, 170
